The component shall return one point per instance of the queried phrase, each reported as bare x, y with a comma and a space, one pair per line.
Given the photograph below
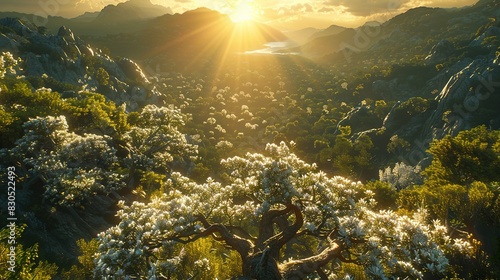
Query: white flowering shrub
71, 166
401, 176
269, 202
224, 145
7, 64
156, 141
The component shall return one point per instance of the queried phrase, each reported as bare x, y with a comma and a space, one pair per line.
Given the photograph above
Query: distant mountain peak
139, 2
331, 30
132, 10
201, 10
487, 2
372, 23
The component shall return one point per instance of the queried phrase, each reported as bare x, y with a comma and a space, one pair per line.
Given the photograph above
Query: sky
287, 15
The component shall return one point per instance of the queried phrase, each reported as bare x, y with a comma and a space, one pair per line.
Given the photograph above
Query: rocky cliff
69, 60
467, 93
444, 77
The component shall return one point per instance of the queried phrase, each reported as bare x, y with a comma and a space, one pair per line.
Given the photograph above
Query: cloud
65, 8
326, 10
367, 8
347, 11
288, 11
444, 3
71, 8
178, 1
94, 5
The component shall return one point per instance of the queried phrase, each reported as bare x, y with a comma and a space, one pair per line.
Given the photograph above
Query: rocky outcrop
56, 233
132, 70
388, 123
66, 34
8, 44
392, 89
464, 94
69, 60
467, 100
491, 32
440, 52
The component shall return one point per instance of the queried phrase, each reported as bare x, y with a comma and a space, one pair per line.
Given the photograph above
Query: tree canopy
285, 220
473, 155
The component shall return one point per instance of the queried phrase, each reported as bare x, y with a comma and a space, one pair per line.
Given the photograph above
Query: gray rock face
440, 80
440, 52
461, 96
464, 97
392, 89
492, 31
388, 123
69, 60
469, 98
132, 70
8, 44
56, 237
19, 27
66, 34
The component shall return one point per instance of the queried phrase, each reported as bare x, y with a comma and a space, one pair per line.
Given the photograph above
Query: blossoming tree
285, 219
71, 167
155, 141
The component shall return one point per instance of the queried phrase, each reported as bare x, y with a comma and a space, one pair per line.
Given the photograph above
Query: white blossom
388, 244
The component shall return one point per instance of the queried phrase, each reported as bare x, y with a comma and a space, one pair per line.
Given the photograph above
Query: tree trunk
261, 266
300, 269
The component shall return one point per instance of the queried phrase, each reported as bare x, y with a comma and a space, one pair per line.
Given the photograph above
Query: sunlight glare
242, 11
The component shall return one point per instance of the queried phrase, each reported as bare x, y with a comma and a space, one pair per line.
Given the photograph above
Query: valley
149, 144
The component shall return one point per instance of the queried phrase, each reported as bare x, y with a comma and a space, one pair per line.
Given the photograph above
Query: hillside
152, 31
329, 31
124, 17
134, 10
414, 31
157, 145
302, 35
204, 32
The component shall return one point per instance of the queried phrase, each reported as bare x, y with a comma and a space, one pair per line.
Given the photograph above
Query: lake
276, 48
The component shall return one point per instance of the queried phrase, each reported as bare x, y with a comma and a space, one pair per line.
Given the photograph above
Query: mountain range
417, 28
126, 28
112, 19
141, 30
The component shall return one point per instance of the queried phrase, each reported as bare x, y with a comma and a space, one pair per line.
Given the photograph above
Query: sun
242, 11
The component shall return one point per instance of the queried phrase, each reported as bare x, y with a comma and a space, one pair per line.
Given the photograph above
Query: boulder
492, 31
20, 27
8, 44
389, 122
66, 33
86, 49
440, 52
132, 71
33, 65
462, 100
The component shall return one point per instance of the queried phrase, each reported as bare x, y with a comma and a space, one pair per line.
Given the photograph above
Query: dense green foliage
27, 262
472, 155
74, 149
462, 189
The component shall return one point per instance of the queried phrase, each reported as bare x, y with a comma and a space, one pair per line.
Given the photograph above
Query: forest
374, 164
